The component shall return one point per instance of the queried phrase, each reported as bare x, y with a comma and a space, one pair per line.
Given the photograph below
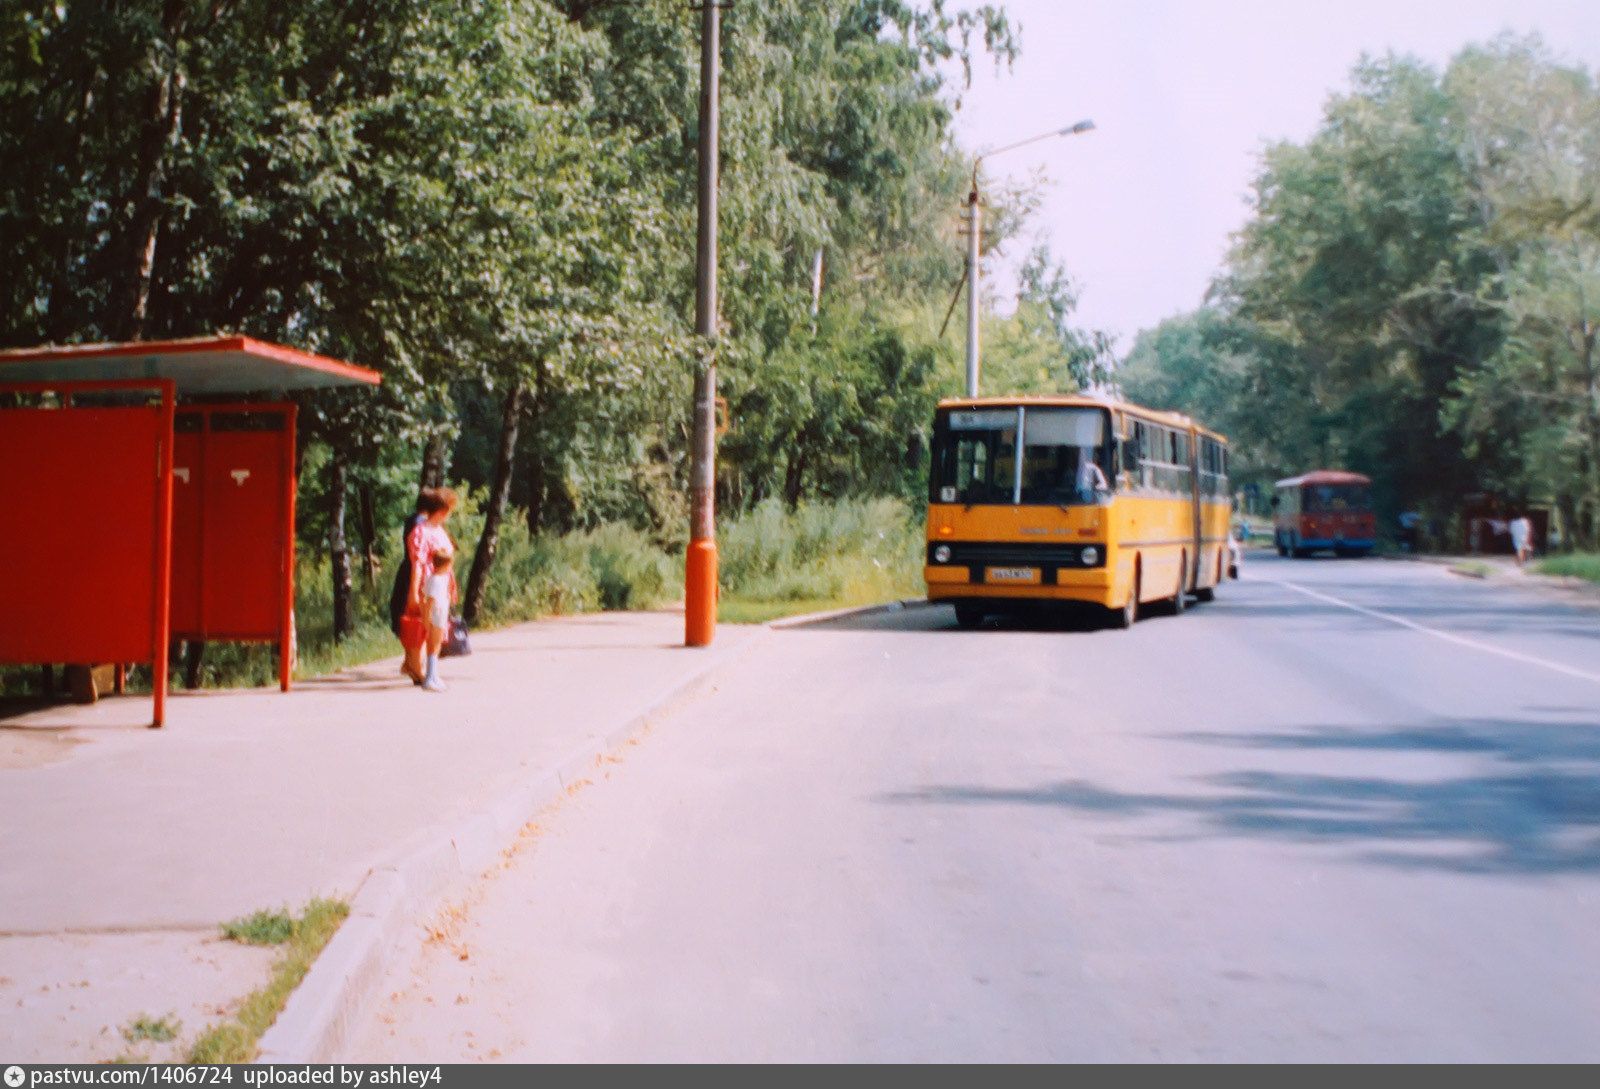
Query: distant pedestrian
428, 540
1410, 520
1521, 537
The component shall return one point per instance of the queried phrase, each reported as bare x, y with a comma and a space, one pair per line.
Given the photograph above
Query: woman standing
428, 537
401, 621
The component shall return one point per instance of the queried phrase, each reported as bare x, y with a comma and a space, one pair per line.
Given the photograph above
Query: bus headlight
941, 554
1090, 555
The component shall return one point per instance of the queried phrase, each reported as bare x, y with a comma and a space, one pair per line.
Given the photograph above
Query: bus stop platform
126, 848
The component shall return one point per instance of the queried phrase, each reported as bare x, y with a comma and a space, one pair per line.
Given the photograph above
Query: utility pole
700, 566
974, 229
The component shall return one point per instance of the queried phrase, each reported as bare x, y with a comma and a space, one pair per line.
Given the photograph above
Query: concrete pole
816, 281
974, 228
700, 567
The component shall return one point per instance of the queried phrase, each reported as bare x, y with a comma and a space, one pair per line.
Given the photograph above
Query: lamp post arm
974, 228
1070, 130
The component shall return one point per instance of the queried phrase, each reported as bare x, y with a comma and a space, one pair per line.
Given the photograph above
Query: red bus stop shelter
136, 519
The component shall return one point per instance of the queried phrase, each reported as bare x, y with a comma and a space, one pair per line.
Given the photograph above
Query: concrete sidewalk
126, 847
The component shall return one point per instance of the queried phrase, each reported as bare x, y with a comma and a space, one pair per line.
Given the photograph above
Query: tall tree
1353, 291
1530, 131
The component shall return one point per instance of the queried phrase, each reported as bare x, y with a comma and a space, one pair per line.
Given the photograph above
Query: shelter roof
1324, 476
199, 365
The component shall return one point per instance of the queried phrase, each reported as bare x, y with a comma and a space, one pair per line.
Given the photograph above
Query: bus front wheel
1128, 615
968, 616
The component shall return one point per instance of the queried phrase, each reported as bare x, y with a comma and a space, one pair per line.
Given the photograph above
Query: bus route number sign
1011, 574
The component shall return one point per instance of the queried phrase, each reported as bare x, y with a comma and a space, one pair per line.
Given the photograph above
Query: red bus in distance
1326, 509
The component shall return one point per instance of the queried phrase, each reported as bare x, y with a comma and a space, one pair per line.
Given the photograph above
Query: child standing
438, 591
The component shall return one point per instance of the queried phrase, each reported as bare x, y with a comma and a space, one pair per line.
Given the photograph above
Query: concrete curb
1502, 576
840, 614
319, 1019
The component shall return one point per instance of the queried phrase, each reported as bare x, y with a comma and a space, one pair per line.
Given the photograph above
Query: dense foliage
493, 204
1417, 293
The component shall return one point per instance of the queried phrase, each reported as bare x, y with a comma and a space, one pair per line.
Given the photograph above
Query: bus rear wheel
1209, 593
1179, 600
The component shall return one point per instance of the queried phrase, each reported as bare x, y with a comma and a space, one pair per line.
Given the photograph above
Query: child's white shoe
434, 684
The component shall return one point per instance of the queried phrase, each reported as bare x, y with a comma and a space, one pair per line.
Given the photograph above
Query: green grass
1473, 568
772, 562
159, 1029
736, 611
234, 1041
1583, 565
776, 562
262, 928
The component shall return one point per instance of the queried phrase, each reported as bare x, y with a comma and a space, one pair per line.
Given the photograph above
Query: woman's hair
442, 559
433, 500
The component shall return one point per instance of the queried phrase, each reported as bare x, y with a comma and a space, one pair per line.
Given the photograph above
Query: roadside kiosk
136, 520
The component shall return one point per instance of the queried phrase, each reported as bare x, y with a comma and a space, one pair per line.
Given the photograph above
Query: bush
612, 567
774, 561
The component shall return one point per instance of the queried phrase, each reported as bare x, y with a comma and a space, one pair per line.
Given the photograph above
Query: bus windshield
1064, 456
1326, 498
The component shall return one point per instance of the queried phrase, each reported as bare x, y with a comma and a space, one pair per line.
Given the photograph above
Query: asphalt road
1349, 811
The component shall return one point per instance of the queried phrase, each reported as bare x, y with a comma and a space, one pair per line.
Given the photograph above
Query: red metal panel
233, 522
244, 538
87, 501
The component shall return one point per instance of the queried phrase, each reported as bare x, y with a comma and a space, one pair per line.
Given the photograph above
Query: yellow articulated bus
1110, 504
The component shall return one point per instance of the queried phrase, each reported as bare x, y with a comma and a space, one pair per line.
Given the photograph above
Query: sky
1184, 97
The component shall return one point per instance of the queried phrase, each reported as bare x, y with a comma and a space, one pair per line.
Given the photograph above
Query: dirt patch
91, 998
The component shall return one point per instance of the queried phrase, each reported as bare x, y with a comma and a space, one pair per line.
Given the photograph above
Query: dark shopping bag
456, 644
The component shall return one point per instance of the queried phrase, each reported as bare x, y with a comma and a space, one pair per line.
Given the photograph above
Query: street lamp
972, 246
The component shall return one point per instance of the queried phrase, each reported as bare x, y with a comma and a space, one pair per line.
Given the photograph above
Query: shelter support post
286, 633
163, 577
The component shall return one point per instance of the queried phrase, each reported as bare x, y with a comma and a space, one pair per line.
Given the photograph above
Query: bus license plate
1011, 574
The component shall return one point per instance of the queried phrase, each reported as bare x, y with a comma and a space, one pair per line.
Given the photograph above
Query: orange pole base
700, 593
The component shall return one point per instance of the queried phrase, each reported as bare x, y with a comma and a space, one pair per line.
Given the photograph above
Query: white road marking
1459, 640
